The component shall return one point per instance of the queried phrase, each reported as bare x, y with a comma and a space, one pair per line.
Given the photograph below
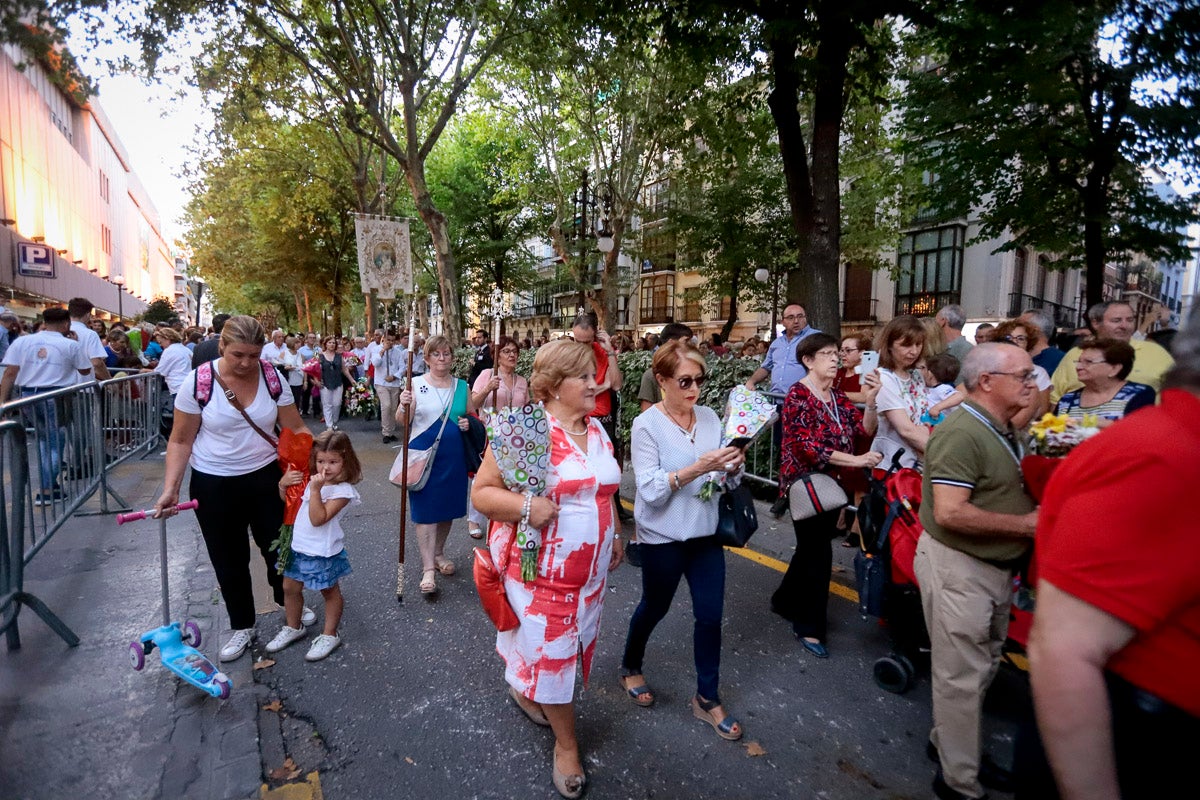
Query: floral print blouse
813, 429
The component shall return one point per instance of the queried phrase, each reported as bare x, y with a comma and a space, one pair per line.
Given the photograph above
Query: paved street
414, 705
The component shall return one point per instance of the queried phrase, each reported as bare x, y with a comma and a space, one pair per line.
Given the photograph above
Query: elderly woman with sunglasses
820, 426
676, 447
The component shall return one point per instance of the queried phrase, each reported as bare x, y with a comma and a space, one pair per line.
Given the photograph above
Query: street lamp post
600, 199
762, 275
119, 282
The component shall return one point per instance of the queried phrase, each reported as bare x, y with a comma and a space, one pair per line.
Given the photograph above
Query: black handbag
737, 519
474, 443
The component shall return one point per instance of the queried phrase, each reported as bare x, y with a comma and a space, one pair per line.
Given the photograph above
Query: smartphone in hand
869, 363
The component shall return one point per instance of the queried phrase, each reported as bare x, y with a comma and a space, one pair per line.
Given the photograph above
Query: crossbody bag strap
233, 401
445, 417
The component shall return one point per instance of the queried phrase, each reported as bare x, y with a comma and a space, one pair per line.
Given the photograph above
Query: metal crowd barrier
57, 450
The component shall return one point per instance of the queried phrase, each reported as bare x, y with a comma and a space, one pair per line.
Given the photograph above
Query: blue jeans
702, 562
43, 418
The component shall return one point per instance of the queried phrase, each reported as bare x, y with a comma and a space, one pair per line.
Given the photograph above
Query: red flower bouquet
294, 451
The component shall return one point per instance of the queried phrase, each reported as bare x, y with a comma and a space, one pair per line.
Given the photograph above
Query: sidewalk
80, 722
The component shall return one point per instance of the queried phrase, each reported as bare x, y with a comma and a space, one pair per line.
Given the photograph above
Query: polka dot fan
520, 440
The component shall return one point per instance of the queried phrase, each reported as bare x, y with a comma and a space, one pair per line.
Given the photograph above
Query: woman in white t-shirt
235, 467
174, 365
902, 399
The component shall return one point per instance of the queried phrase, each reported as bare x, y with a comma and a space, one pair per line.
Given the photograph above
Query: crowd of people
918, 393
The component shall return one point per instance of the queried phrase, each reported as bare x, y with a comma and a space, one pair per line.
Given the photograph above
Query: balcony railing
859, 309
1141, 282
925, 304
653, 315
1064, 316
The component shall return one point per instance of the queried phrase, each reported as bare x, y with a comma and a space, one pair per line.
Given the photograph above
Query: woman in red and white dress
560, 609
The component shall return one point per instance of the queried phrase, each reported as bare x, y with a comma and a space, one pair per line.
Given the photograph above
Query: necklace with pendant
690, 433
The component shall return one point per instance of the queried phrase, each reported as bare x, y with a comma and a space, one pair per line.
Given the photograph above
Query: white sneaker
308, 617
322, 646
285, 637
237, 644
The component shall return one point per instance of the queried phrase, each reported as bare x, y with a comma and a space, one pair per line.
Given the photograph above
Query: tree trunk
611, 285
372, 312
299, 310
784, 104
1095, 203
308, 312
734, 285
439, 230
816, 284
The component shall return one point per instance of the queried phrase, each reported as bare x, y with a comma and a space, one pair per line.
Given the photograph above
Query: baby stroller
883, 568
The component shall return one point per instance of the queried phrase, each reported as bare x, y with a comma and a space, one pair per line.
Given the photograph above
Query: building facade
76, 220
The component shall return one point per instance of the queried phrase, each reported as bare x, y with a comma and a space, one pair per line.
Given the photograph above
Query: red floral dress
560, 609
812, 429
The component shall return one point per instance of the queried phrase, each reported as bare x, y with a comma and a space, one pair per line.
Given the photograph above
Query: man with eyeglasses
979, 524
780, 362
1115, 320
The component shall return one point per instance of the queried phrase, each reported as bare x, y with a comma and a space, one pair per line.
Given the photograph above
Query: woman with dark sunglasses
676, 449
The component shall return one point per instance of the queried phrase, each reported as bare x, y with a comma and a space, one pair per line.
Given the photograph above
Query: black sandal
702, 710
642, 695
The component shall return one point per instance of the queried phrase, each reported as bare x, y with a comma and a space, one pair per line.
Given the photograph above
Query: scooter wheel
191, 633
225, 687
137, 656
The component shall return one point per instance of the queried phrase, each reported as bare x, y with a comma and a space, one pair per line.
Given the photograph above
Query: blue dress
444, 496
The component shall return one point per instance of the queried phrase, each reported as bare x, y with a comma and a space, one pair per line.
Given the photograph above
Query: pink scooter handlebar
134, 516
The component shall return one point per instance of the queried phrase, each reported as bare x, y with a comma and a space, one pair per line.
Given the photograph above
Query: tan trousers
389, 398
966, 603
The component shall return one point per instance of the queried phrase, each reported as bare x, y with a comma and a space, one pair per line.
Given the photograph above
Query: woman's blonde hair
242, 329
557, 361
935, 340
170, 334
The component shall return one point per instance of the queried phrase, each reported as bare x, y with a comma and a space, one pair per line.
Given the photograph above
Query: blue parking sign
35, 260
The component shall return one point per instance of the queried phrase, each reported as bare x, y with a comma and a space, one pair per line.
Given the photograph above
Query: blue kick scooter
176, 643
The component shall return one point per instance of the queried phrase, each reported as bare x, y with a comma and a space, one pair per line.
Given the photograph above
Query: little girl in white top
318, 558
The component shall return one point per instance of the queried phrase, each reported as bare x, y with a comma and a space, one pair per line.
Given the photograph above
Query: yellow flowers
1056, 435
1050, 423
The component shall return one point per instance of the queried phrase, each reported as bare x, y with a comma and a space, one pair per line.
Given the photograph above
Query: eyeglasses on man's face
792, 317
686, 381
1023, 377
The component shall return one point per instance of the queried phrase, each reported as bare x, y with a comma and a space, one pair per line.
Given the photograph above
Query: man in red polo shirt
1115, 647
608, 382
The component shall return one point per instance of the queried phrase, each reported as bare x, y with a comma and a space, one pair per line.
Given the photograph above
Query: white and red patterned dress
560, 610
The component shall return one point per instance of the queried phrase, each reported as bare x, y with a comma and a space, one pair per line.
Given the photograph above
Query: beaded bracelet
526, 508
